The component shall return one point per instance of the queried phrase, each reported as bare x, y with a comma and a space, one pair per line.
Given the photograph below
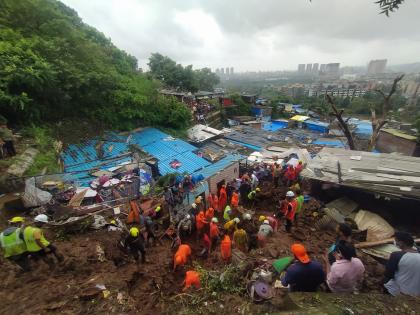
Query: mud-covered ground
69, 288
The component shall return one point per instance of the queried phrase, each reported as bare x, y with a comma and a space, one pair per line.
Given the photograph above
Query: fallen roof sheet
387, 174
219, 165
200, 133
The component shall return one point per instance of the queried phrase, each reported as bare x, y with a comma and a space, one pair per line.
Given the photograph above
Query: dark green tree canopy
175, 76
53, 66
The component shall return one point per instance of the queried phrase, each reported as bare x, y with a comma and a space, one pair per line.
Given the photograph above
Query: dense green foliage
241, 108
52, 66
175, 76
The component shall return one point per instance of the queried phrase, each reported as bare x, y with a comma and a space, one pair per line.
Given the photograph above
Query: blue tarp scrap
316, 125
275, 125
330, 143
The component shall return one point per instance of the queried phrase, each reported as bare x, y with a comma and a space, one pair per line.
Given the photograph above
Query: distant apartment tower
227, 70
217, 71
322, 67
332, 69
231, 70
377, 66
315, 68
222, 71
301, 68
309, 68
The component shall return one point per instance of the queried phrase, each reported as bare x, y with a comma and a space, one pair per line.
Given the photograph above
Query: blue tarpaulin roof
275, 125
330, 143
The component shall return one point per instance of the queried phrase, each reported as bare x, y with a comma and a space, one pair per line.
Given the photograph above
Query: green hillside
53, 67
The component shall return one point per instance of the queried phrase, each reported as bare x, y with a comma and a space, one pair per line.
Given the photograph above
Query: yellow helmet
17, 220
134, 232
257, 189
113, 222
262, 218
158, 208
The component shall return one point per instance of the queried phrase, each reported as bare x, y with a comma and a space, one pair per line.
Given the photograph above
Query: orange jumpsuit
234, 200
192, 278
222, 198
181, 255
200, 220
209, 214
226, 248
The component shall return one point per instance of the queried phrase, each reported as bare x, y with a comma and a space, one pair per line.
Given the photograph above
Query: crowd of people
224, 221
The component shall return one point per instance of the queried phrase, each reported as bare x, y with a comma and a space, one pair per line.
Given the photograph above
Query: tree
378, 123
342, 123
387, 6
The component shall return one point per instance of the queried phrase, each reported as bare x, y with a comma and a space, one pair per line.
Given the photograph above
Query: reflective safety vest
11, 242
226, 215
28, 236
252, 194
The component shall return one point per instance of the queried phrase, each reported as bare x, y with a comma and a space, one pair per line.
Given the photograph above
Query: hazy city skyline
251, 36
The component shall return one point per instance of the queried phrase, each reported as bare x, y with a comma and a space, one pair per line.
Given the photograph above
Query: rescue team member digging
134, 244
13, 244
37, 245
181, 255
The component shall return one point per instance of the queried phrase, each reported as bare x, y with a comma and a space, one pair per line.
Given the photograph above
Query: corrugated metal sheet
399, 134
220, 165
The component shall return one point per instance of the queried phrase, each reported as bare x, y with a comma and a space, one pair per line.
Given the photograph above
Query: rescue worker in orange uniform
192, 279
222, 197
200, 223
226, 248
209, 214
234, 202
214, 232
181, 255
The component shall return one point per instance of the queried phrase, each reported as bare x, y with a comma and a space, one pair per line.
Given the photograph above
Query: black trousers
137, 250
21, 260
9, 148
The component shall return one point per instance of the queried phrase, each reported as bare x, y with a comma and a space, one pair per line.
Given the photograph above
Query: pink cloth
345, 275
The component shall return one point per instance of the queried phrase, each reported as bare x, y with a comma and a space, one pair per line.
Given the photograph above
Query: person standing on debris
209, 214
402, 273
230, 226
226, 247
290, 208
181, 255
36, 244
254, 180
147, 228
230, 188
276, 175
240, 238
222, 197
6, 135
299, 168
290, 175
346, 273
264, 231
227, 213
344, 232
299, 199
199, 202
185, 226
13, 245
216, 203
169, 197
192, 279
200, 223
134, 244
214, 232
244, 190
234, 201
186, 186
303, 275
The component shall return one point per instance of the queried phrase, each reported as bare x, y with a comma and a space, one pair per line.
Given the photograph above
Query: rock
273, 252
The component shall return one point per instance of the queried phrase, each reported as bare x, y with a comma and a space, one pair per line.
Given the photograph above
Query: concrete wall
389, 143
229, 173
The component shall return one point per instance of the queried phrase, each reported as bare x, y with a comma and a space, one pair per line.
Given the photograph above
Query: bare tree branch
343, 125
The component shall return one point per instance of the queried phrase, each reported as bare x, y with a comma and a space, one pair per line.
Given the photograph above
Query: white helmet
236, 220
247, 216
194, 205
188, 216
266, 222
41, 218
290, 194
214, 220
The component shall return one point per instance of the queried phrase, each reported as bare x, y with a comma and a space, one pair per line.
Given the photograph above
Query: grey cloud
255, 34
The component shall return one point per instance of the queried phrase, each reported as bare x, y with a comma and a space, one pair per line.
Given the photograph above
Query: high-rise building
218, 71
332, 69
222, 71
315, 68
322, 67
231, 70
301, 68
227, 70
377, 66
309, 68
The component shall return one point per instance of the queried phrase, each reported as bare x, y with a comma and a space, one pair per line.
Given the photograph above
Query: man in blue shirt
303, 275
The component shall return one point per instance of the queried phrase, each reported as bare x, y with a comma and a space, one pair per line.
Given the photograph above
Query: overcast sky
257, 34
